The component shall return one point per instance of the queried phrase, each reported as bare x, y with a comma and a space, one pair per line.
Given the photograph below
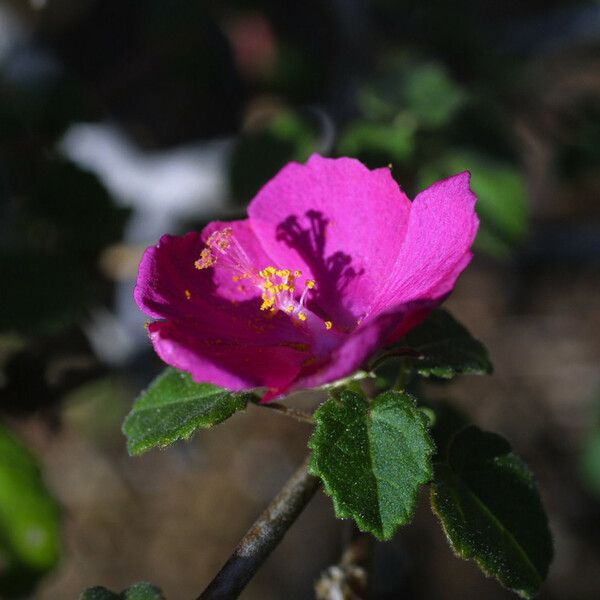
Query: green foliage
376, 143
372, 458
173, 407
590, 462
138, 591
259, 154
446, 348
431, 95
29, 520
420, 90
490, 509
502, 197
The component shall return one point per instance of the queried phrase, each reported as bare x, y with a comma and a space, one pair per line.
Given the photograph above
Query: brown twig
263, 537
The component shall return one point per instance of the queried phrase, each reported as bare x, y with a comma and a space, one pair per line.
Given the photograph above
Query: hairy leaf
173, 407
490, 510
372, 458
446, 348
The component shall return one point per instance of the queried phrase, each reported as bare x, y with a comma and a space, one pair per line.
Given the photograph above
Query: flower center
277, 286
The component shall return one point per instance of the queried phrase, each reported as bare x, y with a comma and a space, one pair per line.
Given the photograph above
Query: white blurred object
163, 189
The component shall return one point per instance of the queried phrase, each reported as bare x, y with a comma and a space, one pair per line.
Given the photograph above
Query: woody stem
263, 537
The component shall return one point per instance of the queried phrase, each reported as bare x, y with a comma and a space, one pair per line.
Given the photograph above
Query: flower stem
299, 415
263, 537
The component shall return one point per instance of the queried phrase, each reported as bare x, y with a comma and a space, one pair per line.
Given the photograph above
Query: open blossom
333, 263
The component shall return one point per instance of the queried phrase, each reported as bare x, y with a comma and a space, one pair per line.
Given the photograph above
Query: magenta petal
437, 245
166, 272
224, 362
381, 264
225, 285
169, 284
229, 343
365, 340
338, 222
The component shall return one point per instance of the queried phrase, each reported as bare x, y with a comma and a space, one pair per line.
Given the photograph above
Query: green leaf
138, 591
29, 520
173, 407
372, 458
446, 347
377, 143
490, 509
589, 464
432, 95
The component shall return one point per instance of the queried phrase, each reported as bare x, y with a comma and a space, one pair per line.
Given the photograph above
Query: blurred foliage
29, 520
56, 221
589, 462
260, 153
96, 409
501, 194
411, 111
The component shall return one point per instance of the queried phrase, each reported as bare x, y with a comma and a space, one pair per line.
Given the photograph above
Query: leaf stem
263, 537
288, 411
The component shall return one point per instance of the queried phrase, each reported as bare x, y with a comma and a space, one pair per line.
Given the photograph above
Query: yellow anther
297, 274
311, 284
206, 259
188, 294
328, 325
283, 272
302, 316
289, 309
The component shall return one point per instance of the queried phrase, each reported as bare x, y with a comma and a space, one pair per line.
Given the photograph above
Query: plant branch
299, 415
263, 537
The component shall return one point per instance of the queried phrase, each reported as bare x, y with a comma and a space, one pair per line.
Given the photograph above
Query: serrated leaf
446, 347
138, 591
29, 520
372, 458
490, 509
173, 407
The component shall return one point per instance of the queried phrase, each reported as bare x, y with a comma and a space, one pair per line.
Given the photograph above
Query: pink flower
333, 263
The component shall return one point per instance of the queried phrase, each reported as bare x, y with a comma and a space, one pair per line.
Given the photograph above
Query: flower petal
361, 344
437, 246
169, 284
226, 342
226, 362
338, 222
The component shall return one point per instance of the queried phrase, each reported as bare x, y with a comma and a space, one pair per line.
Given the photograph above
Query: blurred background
121, 121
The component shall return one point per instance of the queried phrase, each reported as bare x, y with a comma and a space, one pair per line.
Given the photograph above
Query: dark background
123, 120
